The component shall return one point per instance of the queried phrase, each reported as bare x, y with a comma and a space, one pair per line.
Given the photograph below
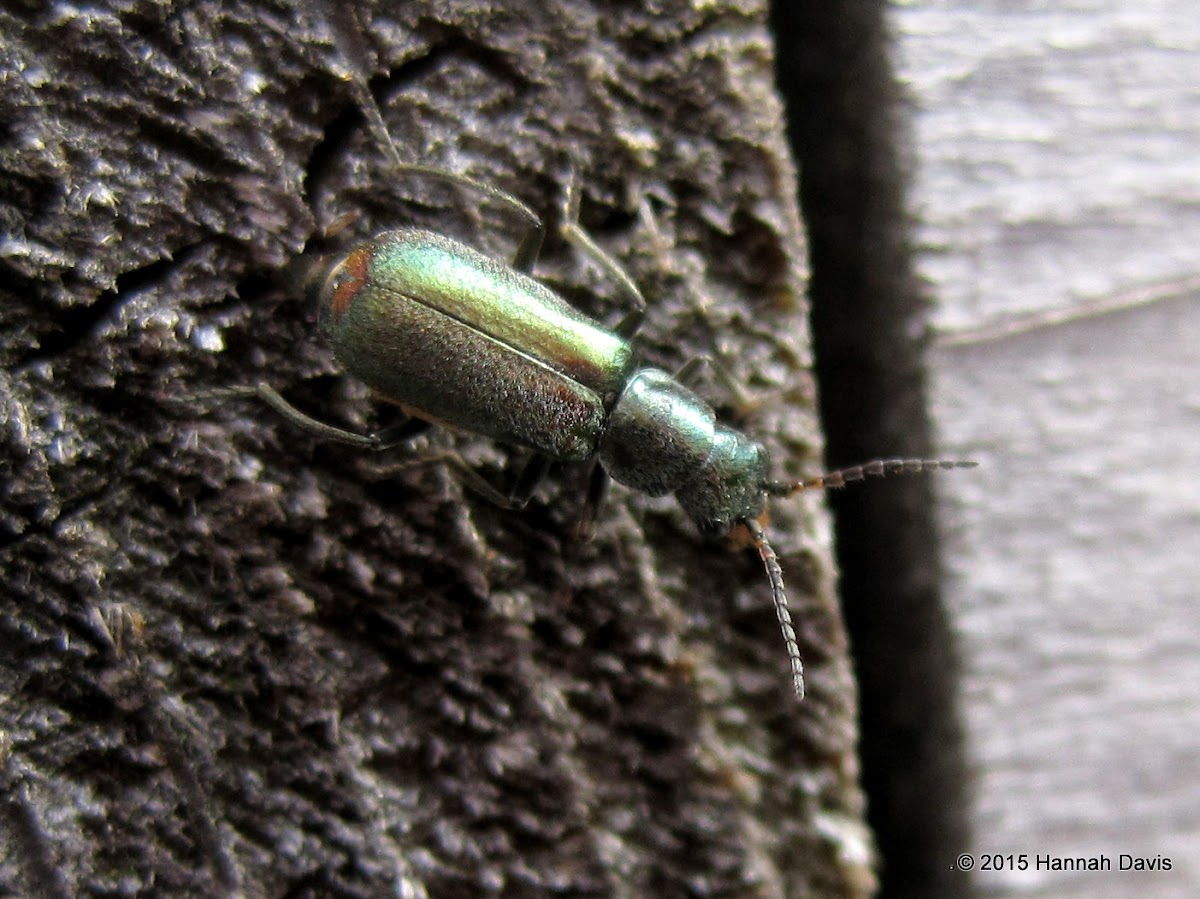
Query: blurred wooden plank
1060, 217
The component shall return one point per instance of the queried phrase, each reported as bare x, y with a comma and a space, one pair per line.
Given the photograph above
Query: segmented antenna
351, 44
775, 576
880, 468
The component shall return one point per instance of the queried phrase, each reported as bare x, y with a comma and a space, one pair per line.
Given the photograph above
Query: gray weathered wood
1057, 193
239, 662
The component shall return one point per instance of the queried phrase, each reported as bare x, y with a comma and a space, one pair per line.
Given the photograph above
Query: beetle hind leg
530, 246
382, 440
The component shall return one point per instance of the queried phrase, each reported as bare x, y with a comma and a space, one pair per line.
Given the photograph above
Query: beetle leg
597, 488
401, 432
527, 481
269, 395
350, 41
531, 242
574, 234
478, 484
688, 375
515, 500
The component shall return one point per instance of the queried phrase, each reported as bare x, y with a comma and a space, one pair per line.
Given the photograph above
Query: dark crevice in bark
845, 124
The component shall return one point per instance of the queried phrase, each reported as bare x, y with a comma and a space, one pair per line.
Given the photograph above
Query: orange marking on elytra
350, 280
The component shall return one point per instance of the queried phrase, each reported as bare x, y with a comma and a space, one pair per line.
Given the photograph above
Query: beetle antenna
880, 468
350, 41
775, 576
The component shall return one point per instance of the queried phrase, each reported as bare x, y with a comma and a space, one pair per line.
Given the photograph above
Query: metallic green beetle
454, 337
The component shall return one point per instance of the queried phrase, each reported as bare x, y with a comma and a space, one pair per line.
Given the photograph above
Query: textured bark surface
239, 661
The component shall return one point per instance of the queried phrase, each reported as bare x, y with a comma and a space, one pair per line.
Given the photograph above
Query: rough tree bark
237, 661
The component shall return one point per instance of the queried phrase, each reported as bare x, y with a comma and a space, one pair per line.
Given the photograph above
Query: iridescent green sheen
456, 338
504, 304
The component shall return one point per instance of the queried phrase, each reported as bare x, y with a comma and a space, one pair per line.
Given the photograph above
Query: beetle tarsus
466, 475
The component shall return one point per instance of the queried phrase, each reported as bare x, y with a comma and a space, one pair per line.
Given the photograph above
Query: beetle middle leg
688, 374
597, 488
